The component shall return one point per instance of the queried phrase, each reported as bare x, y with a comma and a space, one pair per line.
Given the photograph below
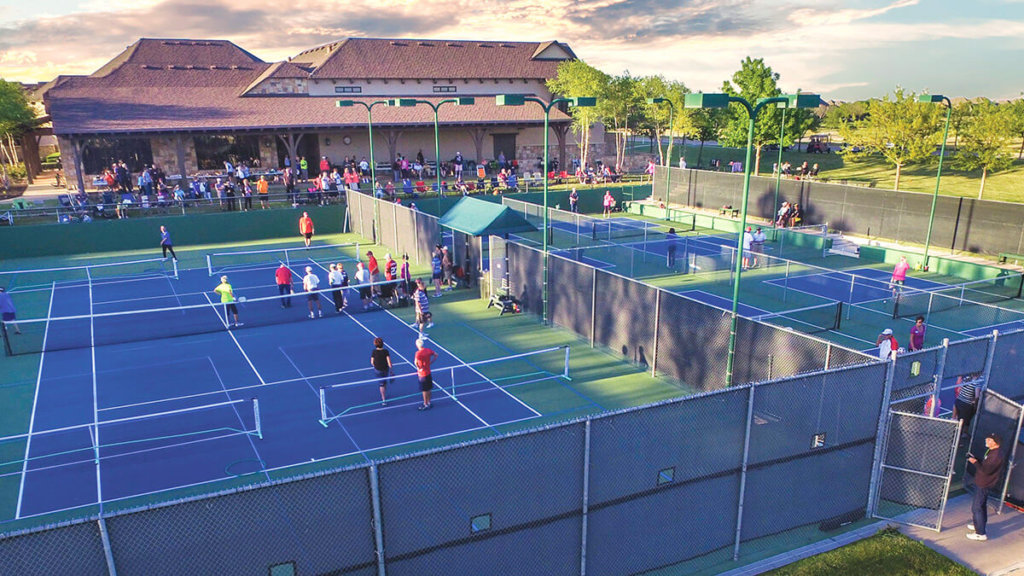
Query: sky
840, 49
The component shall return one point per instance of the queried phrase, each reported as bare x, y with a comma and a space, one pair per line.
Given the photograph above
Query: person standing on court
165, 243
436, 270
574, 201
306, 228
670, 247
310, 282
757, 246
917, 334
748, 242
608, 202
263, 191
887, 345
364, 286
988, 472
424, 319
406, 276
374, 268
7, 309
334, 278
227, 298
380, 360
283, 277
423, 359
899, 275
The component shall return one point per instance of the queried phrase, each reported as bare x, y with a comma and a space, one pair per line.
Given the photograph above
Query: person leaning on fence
887, 345
380, 360
988, 472
966, 402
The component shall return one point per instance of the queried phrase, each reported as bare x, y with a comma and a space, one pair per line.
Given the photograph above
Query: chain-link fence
404, 230
999, 415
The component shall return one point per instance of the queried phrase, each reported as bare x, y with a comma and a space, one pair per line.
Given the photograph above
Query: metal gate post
586, 497
743, 474
881, 435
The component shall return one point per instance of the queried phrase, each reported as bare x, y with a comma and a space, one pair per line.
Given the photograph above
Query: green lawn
887, 552
1006, 186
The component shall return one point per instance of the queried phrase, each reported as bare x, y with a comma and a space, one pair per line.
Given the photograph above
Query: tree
656, 116
987, 132
16, 116
753, 81
897, 128
707, 124
621, 108
1017, 118
576, 78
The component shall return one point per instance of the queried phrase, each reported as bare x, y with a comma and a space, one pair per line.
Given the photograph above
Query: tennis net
257, 306
137, 434
809, 320
221, 262
44, 279
454, 382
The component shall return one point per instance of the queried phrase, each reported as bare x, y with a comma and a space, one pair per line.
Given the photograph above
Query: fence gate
917, 465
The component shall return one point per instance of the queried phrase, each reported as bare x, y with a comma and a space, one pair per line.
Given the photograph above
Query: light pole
700, 100
519, 100
778, 164
369, 124
668, 161
936, 99
461, 101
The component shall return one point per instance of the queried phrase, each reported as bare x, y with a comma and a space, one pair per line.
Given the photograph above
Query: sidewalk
1001, 554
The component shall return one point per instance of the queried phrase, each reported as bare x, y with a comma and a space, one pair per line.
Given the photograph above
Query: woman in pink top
899, 275
609, 203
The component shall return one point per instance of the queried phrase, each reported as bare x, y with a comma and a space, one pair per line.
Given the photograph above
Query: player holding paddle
227, 298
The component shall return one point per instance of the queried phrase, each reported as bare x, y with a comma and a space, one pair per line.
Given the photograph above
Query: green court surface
600, 381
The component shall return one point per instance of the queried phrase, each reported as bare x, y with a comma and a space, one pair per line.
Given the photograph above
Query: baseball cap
887, 331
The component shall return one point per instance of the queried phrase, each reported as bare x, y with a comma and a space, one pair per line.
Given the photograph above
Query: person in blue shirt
437, 271
7, 309
165, 243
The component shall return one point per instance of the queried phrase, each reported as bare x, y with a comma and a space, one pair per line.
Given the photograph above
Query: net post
785, 289
174, 265
209, 265
824, 240
565, 370
453, 382
853, 284
1020, 285
323, 408
256, 415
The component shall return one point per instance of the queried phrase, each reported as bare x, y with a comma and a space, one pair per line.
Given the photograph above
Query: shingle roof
385, 58
100, 109
179, 63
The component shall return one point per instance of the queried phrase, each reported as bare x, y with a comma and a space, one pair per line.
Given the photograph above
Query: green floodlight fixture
402, 102
510, 100
702, 100
936, 99
345, 103
464, 101
799, 100
583, 101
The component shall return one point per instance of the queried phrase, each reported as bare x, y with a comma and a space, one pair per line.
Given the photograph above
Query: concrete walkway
1001, 554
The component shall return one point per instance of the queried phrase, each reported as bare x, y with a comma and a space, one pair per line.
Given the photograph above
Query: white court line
95, 395
239, 416
35, 403
232, 334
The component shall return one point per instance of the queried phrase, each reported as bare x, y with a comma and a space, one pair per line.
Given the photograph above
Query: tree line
895, 128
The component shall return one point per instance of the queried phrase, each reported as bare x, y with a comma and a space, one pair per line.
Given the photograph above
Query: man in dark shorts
310, 283
380, 359
10, 314
227, 298
423, 359
670, 247
306, 228
424, 319
283, 277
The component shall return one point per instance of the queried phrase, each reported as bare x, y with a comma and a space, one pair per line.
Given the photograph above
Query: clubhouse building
189, 105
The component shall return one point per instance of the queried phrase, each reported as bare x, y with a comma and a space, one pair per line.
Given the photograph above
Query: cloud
819, 45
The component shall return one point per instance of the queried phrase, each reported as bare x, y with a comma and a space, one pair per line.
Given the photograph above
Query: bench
729, 209
1005, 257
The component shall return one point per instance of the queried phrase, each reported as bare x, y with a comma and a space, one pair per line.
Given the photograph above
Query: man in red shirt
374, 269
306, 228
423, 359
283, 277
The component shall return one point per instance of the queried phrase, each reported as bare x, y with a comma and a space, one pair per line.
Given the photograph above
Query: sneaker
237, 324
320, 313
384, 403
412, 324
430, 325
976, 536
424, 407
311, 316
970, 527
175, 259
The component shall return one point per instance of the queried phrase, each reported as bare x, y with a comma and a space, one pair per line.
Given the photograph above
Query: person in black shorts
380, 359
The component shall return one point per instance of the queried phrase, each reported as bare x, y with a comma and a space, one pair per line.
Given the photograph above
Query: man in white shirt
363, 284
748, 241
887, 345
757, 247
310, 283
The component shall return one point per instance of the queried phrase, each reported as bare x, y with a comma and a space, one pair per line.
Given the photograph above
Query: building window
348, 89
446, 89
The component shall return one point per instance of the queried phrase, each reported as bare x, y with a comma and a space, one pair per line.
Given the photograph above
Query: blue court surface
130, 418
853, 286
